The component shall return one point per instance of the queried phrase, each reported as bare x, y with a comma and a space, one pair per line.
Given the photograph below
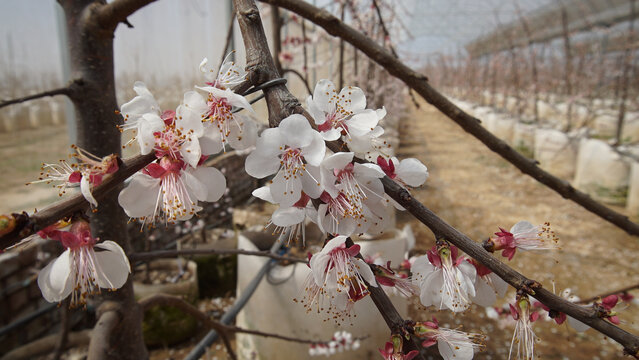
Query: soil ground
476, 191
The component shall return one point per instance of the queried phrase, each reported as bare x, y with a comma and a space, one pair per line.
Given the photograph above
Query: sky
170, 37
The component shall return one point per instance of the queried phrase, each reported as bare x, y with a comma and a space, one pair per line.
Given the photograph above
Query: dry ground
476, 191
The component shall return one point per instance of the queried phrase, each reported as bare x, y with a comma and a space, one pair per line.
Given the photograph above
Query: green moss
617, 196
217, 275
167, 325
525, 150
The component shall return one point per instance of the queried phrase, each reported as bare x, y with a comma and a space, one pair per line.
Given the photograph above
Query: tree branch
46, 344
30, 224
65, 326
301, 77
108, 319
111, 14
470, 124
143, 256
443, 230
615, 292
67, 90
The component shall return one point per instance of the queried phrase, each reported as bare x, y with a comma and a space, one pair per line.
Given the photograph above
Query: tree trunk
91, 54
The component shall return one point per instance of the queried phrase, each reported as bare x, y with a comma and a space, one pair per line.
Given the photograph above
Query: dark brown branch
419, 84
30, 224
111, 14
384, 28
276, 24
143, 256
67, 90
174, 301
443, 230
615, 292
301, 77
108, 319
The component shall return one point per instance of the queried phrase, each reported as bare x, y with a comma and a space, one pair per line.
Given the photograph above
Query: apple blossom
394, 350
525, 236
81, 271
340, 113
488, 286
90, 171
337, 280
408, 172
523, 338
289, 220
560, 317
287, 151
444, 278
142, 115
169, 190
452, 344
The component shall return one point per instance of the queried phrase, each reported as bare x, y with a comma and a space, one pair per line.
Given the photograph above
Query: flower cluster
204, 124
341, 341
349, 194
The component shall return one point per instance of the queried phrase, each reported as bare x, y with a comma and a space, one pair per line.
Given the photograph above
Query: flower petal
314, 152
365, 271
55, 280
140, 197
112, 265
412, 172
85, 188
288, 216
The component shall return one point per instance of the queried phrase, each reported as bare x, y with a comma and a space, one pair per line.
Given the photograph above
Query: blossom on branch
337, 280
444, 278
394, 350
342, 113
488, 286
525, 236
523, 338
452, 344
142, 115
81, 270
87, 173
287, 151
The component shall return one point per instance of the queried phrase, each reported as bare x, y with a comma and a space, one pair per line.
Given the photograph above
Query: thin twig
615, 292
301, 77
142, 256
30, 224
419, 84
229, 37
61, 91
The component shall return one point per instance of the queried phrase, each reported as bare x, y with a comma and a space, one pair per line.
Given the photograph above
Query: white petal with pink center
142, 114
286, 151
81, 271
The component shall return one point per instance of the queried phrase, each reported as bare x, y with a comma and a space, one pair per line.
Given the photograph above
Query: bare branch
301, 77
30, 224
615, 292
61, 91
229, 37
470, 124
47, 344
443, 230
108, 320
143, 256
111, 14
